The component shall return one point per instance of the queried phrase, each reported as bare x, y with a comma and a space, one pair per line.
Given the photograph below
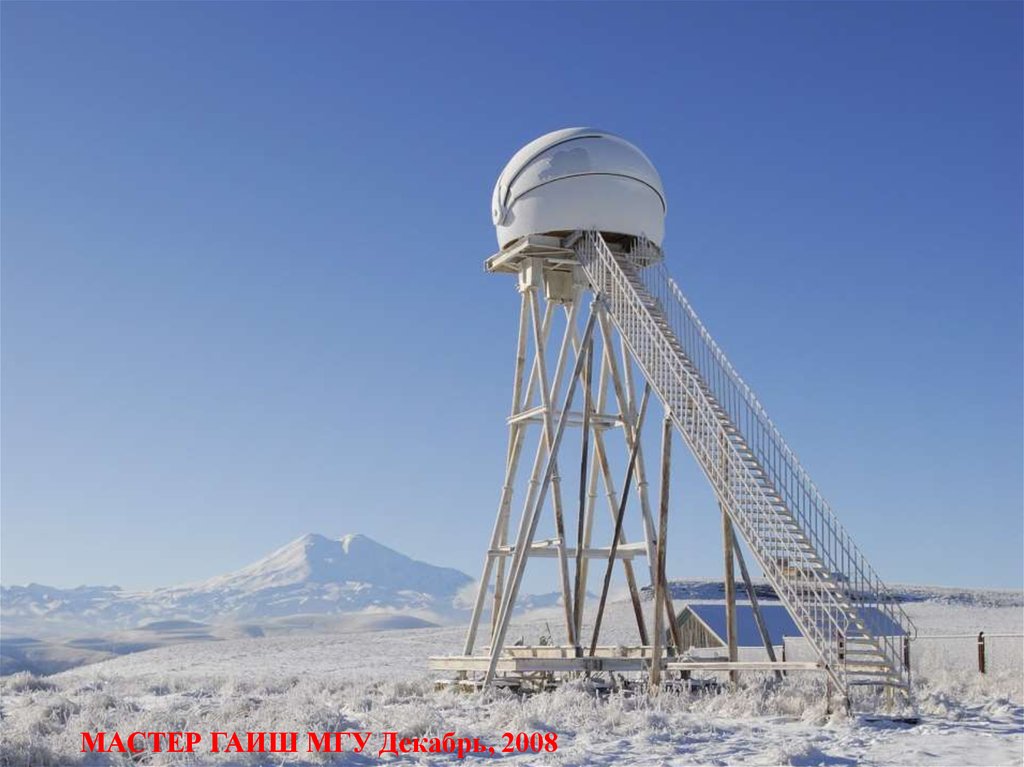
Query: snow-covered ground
380, 682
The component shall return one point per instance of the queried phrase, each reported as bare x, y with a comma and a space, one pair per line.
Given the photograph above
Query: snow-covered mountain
315, 559
315, 574
311, 575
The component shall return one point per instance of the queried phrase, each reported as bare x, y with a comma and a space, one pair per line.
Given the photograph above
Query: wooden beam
536, 415
528, 528
579, 587
604, 662
618, 520
499, 533
511, 664
601, 459
724, 665
755, 606
515, 449
531, 381
670, 610
659, 568
556, 486
730, 593
641, 470
551, 549
588, 522
631, 431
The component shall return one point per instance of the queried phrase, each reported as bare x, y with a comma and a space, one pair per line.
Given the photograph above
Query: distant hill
313, 585
311, 575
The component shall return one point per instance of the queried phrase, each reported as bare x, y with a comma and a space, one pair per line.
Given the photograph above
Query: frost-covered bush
381, 683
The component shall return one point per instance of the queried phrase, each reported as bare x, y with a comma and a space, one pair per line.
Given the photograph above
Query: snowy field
379, 682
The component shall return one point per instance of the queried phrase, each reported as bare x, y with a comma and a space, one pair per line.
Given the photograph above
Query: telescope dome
579, 178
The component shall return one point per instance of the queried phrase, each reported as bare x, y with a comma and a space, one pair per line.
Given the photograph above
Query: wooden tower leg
618, 524
522, 400
659, 570
556, 486
517, 433
531, 516
730, 593
588, 522
631, 429
755, 606
628, 403
642, 486
499, 534
537, 379
579, 586
609, 373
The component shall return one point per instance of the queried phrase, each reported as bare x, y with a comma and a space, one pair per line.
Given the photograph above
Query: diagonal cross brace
529, 529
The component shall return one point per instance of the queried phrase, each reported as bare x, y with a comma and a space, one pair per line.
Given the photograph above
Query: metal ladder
853, 622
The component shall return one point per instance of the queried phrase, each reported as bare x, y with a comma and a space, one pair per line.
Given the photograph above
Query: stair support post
755, 606
730, 594
660, 586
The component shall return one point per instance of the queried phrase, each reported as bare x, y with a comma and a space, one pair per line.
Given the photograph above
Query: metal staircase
852, 621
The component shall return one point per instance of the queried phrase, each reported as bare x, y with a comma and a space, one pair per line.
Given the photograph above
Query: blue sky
242, 285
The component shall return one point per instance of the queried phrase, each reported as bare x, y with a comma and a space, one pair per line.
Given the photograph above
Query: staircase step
861, 667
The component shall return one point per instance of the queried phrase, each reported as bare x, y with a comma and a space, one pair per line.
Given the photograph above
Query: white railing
800, 545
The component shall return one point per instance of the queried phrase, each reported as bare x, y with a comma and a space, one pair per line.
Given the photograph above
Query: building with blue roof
704, 625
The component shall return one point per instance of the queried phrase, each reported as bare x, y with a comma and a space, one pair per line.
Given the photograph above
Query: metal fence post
981, 652
906, 655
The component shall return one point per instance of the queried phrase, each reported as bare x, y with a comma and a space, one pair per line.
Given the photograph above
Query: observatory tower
603, 332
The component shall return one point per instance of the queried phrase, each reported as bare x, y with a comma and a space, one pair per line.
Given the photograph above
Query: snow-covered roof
778, 622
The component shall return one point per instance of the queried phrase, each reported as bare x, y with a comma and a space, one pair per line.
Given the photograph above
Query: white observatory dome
579, 178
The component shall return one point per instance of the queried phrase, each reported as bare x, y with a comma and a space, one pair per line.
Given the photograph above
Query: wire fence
986, 653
